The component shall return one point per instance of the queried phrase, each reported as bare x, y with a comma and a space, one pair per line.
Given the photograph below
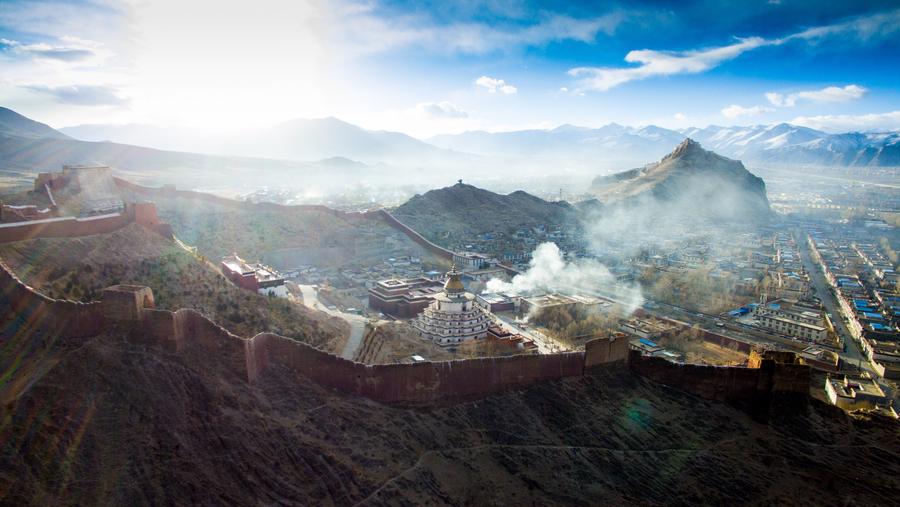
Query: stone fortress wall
143, 213
378, 214
130, 308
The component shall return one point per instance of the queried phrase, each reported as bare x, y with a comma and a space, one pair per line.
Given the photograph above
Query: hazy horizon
432, 69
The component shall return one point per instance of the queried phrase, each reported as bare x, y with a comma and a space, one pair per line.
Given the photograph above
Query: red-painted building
238, 271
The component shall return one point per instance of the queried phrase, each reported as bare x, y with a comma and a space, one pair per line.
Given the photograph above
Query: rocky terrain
459, 211
114, 422
690, 183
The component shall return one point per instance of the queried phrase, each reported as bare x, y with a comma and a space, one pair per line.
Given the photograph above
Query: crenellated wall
169, 191
68, 319
429, 383
725, 383
70, 227
379, 214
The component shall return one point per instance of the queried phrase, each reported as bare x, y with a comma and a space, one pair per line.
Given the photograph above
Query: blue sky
447, 67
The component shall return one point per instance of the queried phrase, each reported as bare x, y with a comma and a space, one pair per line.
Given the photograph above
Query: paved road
357, 322
852, 353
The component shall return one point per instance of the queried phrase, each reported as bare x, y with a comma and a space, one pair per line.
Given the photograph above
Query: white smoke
550, 272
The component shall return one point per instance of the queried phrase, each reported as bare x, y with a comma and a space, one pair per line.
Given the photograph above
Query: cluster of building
645, 334
861, 278
255, 277
446, 314
859, 392
804, 321
515, 248
738, 259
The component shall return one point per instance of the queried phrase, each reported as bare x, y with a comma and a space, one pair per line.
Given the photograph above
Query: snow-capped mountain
775, 144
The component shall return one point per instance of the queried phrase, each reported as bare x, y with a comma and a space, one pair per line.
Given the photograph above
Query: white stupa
453, 317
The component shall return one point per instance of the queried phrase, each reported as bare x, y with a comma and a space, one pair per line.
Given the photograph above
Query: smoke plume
550, 272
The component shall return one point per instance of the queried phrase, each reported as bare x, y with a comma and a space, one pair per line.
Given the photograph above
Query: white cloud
494, 85
81, 95
440, 110
828, 94
736, 111
661, 63
862, 28
850, 122
666, 63
679, 116
72, 51
363, 31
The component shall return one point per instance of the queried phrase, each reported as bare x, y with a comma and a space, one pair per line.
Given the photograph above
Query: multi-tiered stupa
453, 317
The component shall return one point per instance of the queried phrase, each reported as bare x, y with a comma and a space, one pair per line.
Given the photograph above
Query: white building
453, 317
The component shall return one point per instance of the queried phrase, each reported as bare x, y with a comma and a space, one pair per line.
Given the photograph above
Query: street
852, 353
357, 322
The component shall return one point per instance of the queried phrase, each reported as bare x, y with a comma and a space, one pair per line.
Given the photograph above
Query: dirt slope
114, 422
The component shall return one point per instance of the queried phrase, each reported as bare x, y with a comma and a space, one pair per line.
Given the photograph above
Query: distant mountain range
772, 144
27, 146
299, 139
329, 137
292, 153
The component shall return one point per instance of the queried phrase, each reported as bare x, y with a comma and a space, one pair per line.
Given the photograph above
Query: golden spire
453, 285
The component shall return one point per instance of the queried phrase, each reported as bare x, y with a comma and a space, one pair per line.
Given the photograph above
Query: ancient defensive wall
67, 227
169, 191
379, 214
129, 309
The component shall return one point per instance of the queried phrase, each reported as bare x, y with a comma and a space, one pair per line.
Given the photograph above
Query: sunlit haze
449, 67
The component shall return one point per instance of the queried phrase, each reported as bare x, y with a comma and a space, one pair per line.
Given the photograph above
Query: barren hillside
115, 422
79, 268
463, 211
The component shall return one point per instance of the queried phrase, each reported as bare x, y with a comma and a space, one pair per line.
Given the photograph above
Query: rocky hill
463, 211
689, 183
113, 421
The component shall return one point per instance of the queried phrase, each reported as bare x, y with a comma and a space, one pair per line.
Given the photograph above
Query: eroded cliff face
113, 420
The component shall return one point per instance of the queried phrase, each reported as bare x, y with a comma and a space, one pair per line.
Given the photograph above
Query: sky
446, 67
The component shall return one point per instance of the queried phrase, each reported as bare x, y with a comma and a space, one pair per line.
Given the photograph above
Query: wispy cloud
736, 111
441, 110
828, 94
365, 31
70, 50
82, 95
661, 63
863, 28
848, 122
494, 85
652, 63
